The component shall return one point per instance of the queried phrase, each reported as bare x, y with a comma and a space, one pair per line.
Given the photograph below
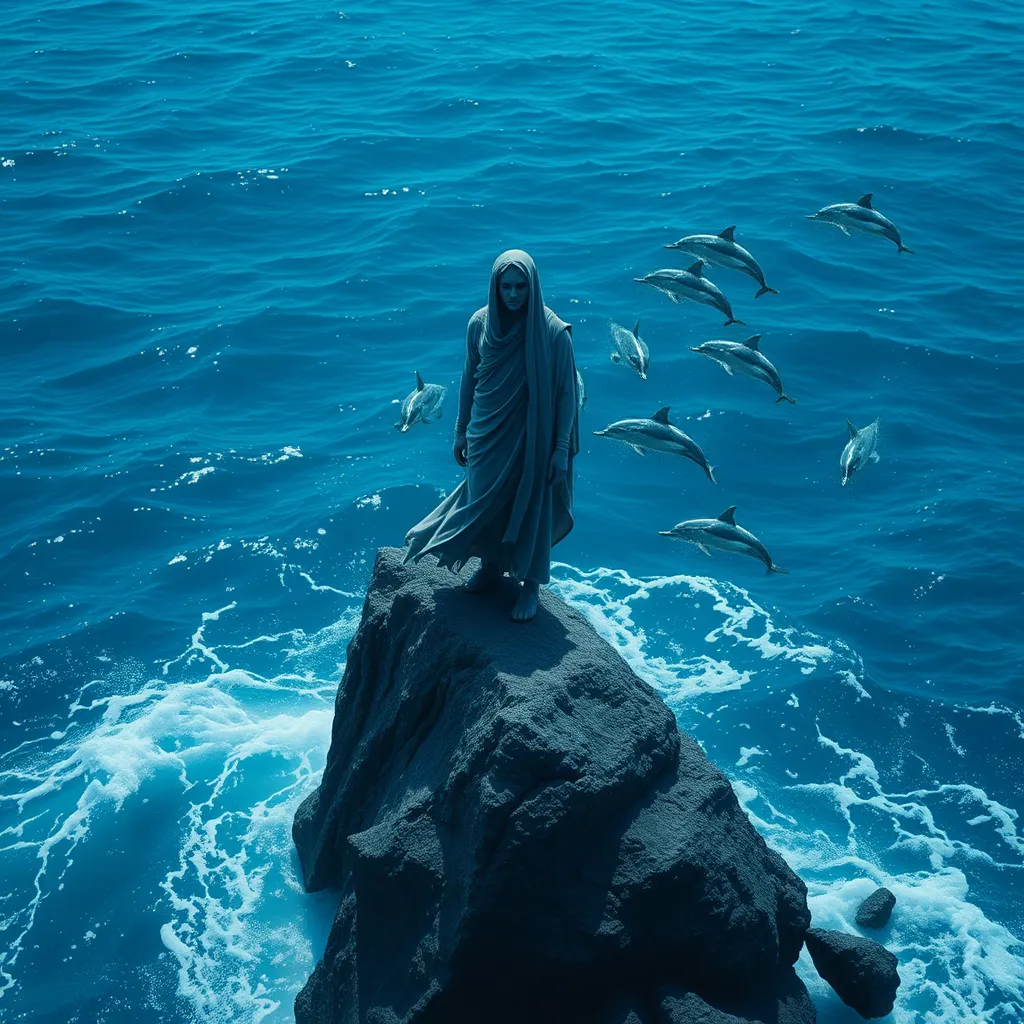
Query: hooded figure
516, 434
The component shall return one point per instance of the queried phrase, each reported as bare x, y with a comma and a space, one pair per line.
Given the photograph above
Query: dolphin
746, 357
689, 284
860, 216
421, 404
722, 533
722, 250
581, 391
658, 435
859, 449
628, 347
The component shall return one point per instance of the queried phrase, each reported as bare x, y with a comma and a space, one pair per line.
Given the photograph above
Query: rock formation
518, 831
862, 972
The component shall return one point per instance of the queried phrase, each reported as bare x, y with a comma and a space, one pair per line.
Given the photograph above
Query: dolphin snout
811, 216
672, 246
601, 433
639, 280
666, 533
697, 349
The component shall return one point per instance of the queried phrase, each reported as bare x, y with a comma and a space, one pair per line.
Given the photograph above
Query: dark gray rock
785, 1001
862, 972
518, 830
874, 912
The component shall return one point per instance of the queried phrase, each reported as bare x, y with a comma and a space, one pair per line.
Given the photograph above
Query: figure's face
513, 287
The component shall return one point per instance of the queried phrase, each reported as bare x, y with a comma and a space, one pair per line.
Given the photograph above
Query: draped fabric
520, 398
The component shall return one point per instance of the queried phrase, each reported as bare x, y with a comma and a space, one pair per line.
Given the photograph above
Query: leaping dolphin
860, 216
658, 435
722, 250
628, 347
690, 284
745, 357
421, 404
722, 533
859, 449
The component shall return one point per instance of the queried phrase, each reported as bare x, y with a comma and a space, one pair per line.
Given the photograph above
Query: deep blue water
229, 236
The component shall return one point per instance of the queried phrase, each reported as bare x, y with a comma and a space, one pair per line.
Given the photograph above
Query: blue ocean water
230, 234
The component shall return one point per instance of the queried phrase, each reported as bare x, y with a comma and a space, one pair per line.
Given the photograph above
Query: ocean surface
232, 232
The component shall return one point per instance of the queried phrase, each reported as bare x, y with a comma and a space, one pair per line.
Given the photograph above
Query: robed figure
516, 435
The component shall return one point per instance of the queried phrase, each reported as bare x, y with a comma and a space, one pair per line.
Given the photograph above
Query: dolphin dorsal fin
727, 233
865, 201
636, 328
728, 517
419, 381
752, 341
661, 416
696, 268
853, 429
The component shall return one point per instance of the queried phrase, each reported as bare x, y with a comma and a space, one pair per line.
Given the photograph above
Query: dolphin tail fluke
903, 248
774, 568
785, 398
733, 320
765, 290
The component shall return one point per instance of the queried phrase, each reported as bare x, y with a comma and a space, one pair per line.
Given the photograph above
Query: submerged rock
519, 831
874, 912
862, 972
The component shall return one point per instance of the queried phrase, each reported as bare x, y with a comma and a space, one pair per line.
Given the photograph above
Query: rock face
518, 831
862, 972
874, 912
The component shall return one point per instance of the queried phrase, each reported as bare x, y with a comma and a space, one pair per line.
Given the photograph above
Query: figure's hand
558, 467
459, 449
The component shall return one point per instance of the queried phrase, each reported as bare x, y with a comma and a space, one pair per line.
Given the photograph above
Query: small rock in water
874, 912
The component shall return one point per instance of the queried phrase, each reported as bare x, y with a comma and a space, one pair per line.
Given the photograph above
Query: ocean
230, 235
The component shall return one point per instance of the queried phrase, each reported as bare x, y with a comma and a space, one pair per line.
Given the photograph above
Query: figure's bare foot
482, 578
526, 604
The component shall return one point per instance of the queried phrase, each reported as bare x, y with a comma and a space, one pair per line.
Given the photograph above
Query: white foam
627, 611
228, 755
998, 709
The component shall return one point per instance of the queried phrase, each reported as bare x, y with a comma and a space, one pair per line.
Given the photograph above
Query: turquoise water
231, 234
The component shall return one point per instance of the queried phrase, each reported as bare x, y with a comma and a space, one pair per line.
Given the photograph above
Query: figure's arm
565, 408
468, 386
565, 394
468, 376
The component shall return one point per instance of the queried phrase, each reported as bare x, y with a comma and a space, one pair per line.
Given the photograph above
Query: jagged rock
862, 972
788, 1004
519, 831
874, 912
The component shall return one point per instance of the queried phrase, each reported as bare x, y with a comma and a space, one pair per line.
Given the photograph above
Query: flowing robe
505, 511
